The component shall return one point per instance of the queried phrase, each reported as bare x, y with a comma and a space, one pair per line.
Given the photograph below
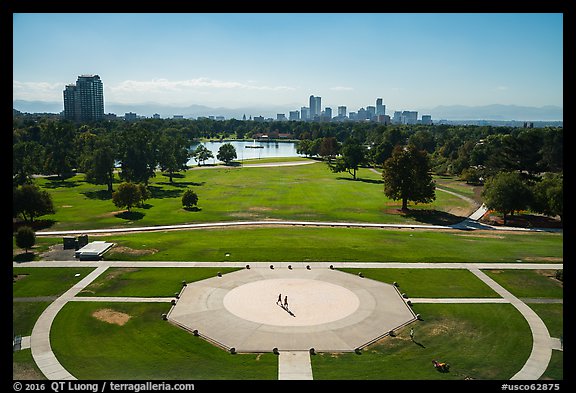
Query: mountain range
448, 112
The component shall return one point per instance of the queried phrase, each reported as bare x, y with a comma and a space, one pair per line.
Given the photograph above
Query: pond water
246, 150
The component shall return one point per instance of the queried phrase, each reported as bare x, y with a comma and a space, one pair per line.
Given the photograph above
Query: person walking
412, 334
279, 301
286, 302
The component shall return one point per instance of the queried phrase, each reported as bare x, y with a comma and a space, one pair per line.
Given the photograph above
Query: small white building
93, 251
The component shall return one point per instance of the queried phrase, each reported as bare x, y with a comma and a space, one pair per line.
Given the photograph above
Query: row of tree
476, 154
56, 146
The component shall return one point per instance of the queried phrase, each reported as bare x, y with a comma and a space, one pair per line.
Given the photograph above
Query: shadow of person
419, 344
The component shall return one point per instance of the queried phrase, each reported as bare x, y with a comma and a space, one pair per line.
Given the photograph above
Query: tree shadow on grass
53, 182
102, 195
433, 217
36, 224
371, 181
130, 216
160, 192
193, 209
24, 257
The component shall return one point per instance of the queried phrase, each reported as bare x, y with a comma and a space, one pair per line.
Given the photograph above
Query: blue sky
412, 61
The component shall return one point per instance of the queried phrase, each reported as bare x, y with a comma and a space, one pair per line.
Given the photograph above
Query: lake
268, 149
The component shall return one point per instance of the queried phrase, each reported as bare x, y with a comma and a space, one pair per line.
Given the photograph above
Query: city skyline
412, 61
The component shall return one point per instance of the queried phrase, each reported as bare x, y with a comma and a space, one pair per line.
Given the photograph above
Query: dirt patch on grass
113, 274
547, 259
132, 251
111, 316
260, 209
18, 277
23, 371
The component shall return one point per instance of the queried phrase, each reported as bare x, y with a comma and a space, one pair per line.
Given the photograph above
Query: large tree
127, 195
352, 155
138, 154
59, 152
407, 177
202, 154
26, 161
25, 238
226, 153
173, 154
506, 192
29, 201
329, 148
548, 195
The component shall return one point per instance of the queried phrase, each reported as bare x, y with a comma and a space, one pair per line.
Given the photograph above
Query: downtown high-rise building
315, 106
84, 101
380, 108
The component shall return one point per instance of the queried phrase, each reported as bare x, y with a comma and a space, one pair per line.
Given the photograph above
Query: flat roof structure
326, 310
93, 250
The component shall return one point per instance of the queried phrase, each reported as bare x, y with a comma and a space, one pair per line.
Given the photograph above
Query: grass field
146, 347
306, 192
148, 282
311, 244
481, 341
46, 281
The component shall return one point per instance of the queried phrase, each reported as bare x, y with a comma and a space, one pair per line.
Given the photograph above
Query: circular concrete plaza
258, 309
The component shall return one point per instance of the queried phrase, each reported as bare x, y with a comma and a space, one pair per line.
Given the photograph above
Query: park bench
17, 343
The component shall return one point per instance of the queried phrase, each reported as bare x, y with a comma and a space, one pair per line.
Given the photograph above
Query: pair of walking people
279, 301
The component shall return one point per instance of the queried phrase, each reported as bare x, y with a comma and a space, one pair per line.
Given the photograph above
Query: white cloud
37, 91
180, 85
341, 88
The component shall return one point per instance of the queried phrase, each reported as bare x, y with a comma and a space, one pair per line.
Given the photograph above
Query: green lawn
146, 347
431, 283
334, 244
482, 341
147, 282
306, 192
479, 341
25, 314
46, 281
528, 283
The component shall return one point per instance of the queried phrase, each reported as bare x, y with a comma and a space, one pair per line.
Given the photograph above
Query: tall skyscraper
380, 108
341, 111
84, 101
315, 106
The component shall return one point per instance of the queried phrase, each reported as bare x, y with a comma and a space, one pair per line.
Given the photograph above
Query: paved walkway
294, 365
40, 338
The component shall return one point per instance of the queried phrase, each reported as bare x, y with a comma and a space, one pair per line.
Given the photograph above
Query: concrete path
541, 346
40, 338
294, 365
